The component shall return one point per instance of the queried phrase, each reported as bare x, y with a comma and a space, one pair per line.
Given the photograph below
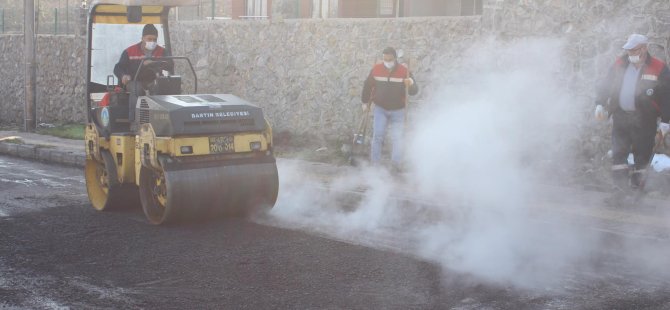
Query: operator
131, 58
635, 92
130, 61
386, 86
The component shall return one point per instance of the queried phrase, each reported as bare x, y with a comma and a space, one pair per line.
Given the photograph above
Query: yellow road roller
179, 154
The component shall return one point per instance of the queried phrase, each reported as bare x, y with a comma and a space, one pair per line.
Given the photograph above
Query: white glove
663, 128
125, 78
364, 107
600, 114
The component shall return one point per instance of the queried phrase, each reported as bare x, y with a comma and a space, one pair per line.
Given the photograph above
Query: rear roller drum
103, 187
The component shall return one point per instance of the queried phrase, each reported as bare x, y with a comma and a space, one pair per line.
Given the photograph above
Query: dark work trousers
631, 132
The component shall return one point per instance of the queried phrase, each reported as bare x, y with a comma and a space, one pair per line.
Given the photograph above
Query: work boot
621, 179
618, 198
637, 180
397, 169
621, 189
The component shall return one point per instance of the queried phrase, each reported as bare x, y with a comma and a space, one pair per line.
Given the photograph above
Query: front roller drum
185, 192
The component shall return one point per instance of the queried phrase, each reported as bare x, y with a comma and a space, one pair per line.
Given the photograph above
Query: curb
44, 154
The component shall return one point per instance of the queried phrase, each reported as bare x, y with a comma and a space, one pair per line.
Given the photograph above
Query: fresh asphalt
58, 252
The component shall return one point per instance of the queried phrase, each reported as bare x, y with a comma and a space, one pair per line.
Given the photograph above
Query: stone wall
12, 70
308, 73
595, 32
60, 79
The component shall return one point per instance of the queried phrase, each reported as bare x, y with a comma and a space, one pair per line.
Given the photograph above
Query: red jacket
131, 58
652, 92
386, 88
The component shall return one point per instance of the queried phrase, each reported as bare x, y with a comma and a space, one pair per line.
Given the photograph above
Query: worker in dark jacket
130, 61
387, 86
636, 92
131, 57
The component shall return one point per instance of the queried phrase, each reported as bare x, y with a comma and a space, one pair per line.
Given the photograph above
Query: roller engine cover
199, 114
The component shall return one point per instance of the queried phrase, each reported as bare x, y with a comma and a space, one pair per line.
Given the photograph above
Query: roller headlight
255, 146
186, 149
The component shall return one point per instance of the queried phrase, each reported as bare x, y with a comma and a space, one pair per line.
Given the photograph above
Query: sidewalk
43, 148
71, 152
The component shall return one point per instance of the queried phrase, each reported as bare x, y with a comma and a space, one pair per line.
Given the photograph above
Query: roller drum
188, 191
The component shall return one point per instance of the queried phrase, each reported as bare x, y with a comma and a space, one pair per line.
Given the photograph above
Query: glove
125, 78
663, 128
365, 107
600, 113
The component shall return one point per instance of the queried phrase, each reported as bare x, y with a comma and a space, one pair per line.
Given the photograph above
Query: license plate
221, 144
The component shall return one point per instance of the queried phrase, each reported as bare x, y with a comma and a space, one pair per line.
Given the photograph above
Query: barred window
386, 8
257, 8
406, 8
471, 7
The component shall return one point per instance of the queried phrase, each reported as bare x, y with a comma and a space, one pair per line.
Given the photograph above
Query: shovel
358, 141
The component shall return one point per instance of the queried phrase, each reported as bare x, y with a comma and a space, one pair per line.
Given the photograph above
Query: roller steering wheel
147, 72
156, 66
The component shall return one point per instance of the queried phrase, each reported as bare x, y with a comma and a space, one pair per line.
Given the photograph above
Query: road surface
57, 252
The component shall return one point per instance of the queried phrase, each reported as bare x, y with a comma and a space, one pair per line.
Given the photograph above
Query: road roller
159, 144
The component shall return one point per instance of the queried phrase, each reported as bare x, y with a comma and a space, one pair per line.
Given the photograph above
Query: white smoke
481, 153
339, 210
490, 137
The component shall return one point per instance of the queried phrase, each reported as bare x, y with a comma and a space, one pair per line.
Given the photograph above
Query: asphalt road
57, 252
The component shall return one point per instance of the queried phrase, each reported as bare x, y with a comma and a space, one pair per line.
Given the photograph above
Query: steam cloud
493, 134
498, 127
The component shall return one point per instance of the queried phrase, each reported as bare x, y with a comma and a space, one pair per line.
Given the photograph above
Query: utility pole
30, 73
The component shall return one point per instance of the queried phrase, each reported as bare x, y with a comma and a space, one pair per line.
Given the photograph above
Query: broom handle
406, 93
366, 115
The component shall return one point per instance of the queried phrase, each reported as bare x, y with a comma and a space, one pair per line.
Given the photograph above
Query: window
256, 9
358, 8
386, 8
109, 41
471, 7
402, 8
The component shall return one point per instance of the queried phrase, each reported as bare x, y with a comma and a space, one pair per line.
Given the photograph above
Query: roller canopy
148, 2
114, 11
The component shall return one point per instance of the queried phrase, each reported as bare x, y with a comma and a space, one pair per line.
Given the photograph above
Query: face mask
150, 45
634, 59
389, 64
